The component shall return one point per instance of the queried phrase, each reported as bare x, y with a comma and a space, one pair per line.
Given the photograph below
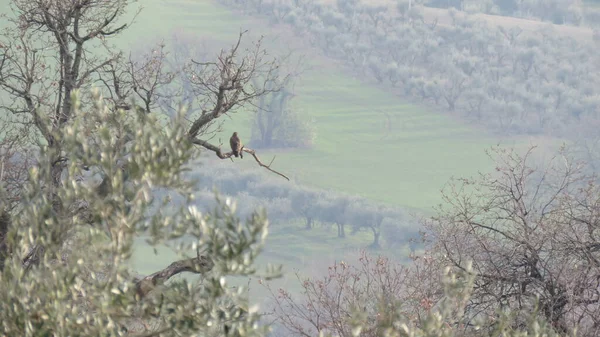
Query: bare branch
226, 155
268, 167
228, 84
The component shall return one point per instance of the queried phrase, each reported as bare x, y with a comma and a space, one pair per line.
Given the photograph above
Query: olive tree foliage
14, 163
531, 232
99, 296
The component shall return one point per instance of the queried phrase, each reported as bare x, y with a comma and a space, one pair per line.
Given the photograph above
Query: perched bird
236, 145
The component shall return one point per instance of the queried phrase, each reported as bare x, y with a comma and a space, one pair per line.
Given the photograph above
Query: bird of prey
236, 145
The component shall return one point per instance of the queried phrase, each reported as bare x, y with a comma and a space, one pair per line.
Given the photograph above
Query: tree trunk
309, 223
4, 226
376, 235
268, 138
341, 230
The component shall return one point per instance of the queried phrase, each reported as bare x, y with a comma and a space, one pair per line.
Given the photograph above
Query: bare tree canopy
530, 233
231, 83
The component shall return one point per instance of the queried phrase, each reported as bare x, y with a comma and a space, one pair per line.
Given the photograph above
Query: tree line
560, 12
285, 201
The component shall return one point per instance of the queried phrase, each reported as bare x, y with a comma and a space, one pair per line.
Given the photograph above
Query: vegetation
287, 202
521, 242
531, 234
508, 81
100, 297
86, 175
277, 125
420, 143
556, 11
57, 222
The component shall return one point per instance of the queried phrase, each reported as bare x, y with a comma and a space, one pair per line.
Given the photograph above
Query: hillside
442, 17
355, 151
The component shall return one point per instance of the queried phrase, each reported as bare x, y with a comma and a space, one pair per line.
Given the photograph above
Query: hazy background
390, 108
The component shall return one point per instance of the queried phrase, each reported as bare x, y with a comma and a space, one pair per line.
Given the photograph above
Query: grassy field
404, 160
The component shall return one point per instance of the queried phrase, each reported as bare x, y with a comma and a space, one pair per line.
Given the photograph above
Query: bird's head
234, 134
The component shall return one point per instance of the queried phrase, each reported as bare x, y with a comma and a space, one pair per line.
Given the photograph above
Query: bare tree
234, 81
144, 77
374, 287
531, 233
47, 56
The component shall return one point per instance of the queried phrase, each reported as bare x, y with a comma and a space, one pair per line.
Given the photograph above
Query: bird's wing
233, 143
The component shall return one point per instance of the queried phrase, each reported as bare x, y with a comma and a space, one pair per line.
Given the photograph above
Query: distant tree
444, 3
371, 217
507, 7
330, 209
276, 124
303, 203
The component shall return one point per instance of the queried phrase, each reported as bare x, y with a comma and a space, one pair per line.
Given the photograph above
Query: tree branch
196, 265
268, 167
220, 154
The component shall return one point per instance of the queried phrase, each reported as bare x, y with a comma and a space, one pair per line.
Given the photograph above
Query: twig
268, 167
